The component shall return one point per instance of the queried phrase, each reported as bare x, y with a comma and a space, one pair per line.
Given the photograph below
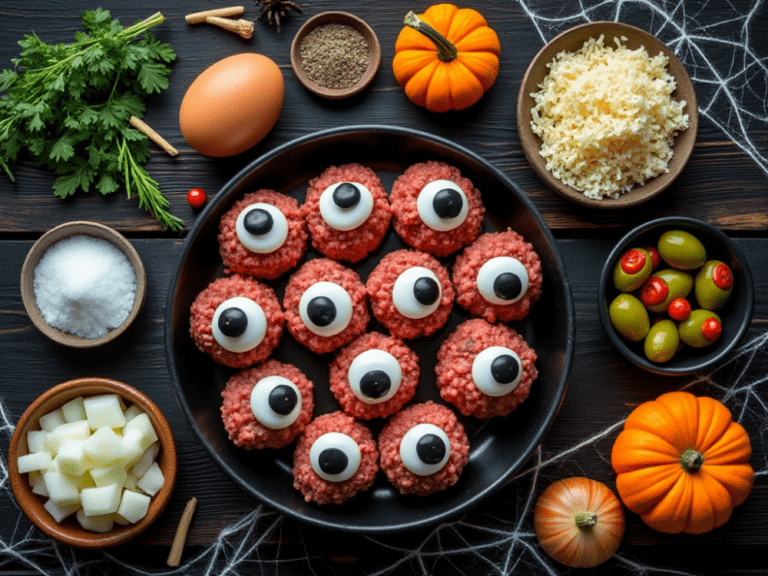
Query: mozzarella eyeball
497, 371
346, 205
335, 457
425, 449
239, 324
262, 228
502, 280
442, 205
417, 292
375, 376
275, 402
325, 308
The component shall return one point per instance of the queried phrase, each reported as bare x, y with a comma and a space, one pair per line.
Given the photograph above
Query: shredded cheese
606, 118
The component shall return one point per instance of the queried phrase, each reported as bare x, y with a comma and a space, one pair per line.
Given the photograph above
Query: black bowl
736, 314
498, 446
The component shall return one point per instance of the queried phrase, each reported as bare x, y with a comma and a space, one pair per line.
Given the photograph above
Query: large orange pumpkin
682, 463
447, 58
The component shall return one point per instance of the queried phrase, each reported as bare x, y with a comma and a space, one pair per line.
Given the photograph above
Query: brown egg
232, 105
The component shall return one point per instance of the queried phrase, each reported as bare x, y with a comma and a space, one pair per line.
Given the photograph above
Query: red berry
196, 198
679, 309
722, 276
711, 329
654, 291
633, 261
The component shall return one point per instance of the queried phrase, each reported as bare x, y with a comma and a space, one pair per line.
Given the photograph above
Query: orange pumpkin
682, 463
446, 59
579, 522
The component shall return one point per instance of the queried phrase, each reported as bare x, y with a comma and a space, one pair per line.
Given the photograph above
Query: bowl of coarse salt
82, 284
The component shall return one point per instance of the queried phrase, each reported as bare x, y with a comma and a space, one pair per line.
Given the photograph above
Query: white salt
85, 286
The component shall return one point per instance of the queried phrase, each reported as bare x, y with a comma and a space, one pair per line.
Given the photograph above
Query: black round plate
498, 446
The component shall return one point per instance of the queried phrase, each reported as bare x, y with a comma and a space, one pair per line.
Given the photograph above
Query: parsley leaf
68, 106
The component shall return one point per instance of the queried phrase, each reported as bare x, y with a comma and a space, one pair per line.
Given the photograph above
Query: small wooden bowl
49, 239
374, 53
571, 41
69, 531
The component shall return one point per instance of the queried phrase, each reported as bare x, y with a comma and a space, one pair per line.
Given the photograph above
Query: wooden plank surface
603, 389
718, 168
722, 185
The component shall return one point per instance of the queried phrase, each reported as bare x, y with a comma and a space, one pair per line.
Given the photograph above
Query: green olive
713, 285
633, 268
629, 317
699, 330
679, 284
662, 341
682, 250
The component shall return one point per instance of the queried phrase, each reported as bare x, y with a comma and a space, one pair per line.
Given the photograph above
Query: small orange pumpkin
682, 463
579, 522
446, 59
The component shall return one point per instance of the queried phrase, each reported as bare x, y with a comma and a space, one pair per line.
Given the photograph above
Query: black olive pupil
333, 461
233, 322
321, 311
507, 286
375, 384
258, 222
346, 195
282, 399
426, 290
430, 449
447, 203
505, 369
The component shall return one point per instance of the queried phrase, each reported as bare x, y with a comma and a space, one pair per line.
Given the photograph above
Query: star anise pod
275, 10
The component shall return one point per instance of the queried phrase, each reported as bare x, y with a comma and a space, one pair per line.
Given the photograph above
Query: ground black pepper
334, 56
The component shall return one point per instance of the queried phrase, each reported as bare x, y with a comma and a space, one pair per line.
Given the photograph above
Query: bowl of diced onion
92, 462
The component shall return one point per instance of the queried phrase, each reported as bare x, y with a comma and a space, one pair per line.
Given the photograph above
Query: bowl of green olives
676, 296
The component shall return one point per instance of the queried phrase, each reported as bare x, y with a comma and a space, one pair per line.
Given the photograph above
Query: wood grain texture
603, 389
720, 185
488, 128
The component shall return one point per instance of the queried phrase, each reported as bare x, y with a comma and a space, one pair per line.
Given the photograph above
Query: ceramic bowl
571, 41
736, 315
60, 233
69, 531
374, 54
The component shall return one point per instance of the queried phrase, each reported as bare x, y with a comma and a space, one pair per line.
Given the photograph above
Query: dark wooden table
726, 52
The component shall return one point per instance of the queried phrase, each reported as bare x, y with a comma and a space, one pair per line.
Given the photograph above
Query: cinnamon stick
145, 129
177, 548
198, 17
242, 26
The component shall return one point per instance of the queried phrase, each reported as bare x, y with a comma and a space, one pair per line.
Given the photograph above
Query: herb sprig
68, 106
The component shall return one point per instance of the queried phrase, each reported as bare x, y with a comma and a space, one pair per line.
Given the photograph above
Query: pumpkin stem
446, 51
691, 460
585, 519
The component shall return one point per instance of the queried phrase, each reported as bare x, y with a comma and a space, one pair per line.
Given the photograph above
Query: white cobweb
732, 95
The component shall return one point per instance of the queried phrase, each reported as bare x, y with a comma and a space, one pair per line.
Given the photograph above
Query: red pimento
679, 309
633, 261
196, 198
722, 276
655, 256
654, 291
711, 329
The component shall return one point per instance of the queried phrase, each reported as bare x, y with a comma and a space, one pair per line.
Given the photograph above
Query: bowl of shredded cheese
82, 284
607, 115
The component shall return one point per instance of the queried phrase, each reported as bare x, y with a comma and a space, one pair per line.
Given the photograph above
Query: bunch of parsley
68, 105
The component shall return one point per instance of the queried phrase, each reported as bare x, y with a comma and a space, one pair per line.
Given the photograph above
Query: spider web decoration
497, 536
732, 92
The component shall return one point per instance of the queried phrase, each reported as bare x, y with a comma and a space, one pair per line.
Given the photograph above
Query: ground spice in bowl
85, 286
334, 56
